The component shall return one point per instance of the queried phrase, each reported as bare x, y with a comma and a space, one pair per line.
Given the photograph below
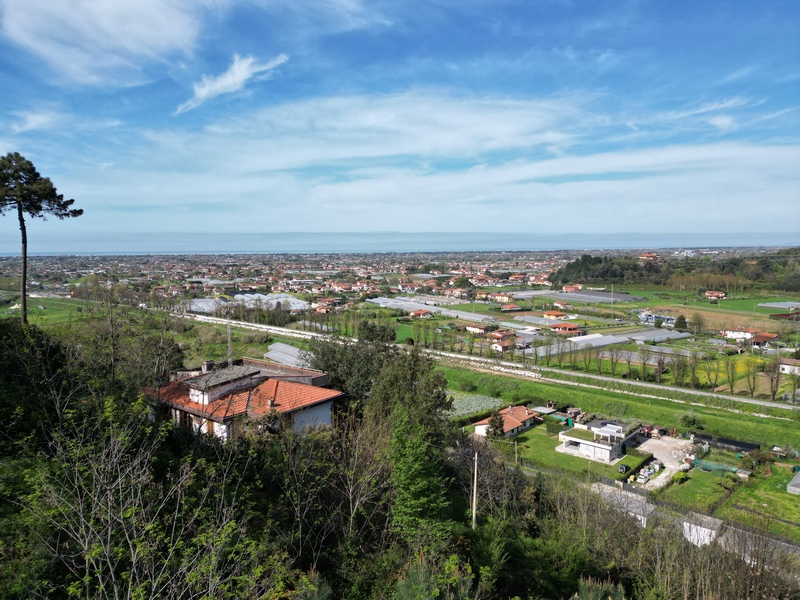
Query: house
599, 440
476, 328
554, 314
420, 314
572, 288
762, 340
510, 307
739, 333
714, 295
221, 402
789, 366
567, 329
649, 257
502, 340
516, 419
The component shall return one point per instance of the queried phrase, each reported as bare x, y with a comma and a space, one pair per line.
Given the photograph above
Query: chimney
208, 365
272, 402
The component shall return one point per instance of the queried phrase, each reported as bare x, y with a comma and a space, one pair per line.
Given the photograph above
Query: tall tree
24, 190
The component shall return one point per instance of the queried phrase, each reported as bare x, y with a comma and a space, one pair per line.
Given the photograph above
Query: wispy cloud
736, 76
707, 107
724, 123
234, 79
33, 121
101, 41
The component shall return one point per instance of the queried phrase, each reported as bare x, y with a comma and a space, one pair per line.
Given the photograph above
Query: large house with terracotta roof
221, 402
516, 419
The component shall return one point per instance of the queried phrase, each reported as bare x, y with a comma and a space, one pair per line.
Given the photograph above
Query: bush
553, 425
256, 337
680, 477
465, 385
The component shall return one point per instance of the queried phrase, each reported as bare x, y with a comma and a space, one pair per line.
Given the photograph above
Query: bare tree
614, 354
573, 355
121, 534
661, 364
598, 361
694, 360
712, 368
644, 357
730, 372
586, 355
773, 373
680, 369
627, 356
751, 368
561, 346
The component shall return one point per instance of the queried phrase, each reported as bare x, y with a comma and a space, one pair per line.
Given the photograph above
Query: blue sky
182, 116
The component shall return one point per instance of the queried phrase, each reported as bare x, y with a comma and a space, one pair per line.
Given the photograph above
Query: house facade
789, 366
602, 441
221, 402
516, 419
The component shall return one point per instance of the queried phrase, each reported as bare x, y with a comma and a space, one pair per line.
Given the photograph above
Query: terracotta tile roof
286, 397
513, 417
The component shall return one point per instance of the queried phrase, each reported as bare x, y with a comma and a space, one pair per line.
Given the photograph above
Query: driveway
669, 451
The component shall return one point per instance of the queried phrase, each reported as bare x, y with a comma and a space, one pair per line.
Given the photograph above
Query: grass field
767, 497
700, 492
53, 311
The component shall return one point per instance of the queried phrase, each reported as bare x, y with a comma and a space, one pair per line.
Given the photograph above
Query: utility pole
475, 493
230, 349
516, 458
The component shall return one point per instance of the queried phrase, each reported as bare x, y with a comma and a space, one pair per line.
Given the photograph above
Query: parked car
624, 468
642, 478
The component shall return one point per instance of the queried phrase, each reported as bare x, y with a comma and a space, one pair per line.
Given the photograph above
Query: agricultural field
761, 499
744, 425
465, 404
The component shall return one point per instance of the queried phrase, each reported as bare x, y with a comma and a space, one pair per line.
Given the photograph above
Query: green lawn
768, 497
538, 449
55, 310
700, 492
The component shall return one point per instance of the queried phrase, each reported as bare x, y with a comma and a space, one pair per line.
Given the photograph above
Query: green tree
496, 429
408, 379
25, 191
420, 501
680, 323
697, 324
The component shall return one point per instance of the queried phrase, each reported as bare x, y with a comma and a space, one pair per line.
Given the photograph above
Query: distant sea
330, 242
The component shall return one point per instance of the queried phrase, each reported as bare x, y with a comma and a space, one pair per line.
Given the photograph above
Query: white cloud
724, 123
232, 80
92, 41
32, 121
707, 108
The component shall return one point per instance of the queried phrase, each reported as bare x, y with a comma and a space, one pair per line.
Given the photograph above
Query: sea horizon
382, 242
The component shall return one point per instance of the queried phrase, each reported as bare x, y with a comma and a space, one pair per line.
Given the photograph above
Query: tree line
733, 274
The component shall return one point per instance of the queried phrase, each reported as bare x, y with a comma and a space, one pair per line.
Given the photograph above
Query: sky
533, 117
